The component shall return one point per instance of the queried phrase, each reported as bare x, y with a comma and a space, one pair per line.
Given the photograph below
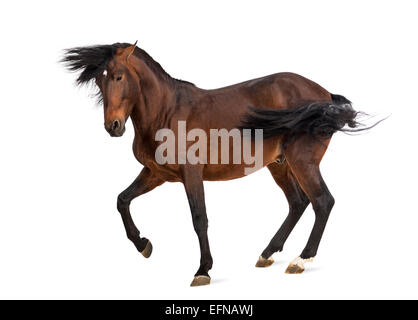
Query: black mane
93, 60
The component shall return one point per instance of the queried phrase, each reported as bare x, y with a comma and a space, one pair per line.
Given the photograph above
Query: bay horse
298, 118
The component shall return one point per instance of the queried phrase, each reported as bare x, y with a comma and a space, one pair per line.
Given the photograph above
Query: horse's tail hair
318, 119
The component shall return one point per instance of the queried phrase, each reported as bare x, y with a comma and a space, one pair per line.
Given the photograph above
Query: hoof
264, 263
294, 269
200, 281
148, 250
297, 266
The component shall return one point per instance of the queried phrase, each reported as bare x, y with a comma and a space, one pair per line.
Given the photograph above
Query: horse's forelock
91, 60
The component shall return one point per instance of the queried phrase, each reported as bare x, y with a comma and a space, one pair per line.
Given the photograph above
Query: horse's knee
328, 202
331, 202
200, 223
200, 227
123, 202
323, 205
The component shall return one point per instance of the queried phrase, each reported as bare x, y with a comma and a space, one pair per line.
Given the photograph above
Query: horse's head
117, 80
118, 84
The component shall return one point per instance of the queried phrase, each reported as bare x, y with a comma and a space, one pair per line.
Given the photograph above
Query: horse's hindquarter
225, 108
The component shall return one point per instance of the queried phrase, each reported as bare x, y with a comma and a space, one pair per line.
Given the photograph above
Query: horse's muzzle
116, 128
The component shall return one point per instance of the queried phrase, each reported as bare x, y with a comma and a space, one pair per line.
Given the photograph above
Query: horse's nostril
115, 125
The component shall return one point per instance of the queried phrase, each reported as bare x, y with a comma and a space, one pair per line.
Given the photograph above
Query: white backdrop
60, 233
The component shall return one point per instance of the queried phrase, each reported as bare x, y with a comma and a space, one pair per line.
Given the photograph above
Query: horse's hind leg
303, 157
298, 202
144, 183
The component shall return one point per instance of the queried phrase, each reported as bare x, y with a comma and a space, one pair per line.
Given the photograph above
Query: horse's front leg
145, 182
193, 183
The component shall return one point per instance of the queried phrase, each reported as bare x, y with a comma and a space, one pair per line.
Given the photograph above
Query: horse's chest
145, 155
142, 151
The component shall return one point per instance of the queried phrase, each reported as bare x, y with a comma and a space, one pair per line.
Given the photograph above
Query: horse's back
284, 90
277, 91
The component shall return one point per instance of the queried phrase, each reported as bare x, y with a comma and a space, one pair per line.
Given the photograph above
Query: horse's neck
156, 95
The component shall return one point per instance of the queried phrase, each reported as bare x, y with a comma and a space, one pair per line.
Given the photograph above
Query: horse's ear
129, 50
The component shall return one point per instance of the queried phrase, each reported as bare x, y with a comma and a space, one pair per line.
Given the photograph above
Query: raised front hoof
294, 269
200, 281
264, 263
148, 250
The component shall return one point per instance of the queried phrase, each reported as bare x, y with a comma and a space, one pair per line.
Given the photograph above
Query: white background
60, 233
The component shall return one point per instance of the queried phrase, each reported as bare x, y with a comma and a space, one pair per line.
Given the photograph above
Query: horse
298, 118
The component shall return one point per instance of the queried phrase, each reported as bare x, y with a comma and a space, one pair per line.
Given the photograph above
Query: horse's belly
216, 172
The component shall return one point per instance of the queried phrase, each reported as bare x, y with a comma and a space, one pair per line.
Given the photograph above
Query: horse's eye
119, 78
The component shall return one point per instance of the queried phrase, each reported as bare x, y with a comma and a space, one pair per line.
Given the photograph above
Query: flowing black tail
318, 119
